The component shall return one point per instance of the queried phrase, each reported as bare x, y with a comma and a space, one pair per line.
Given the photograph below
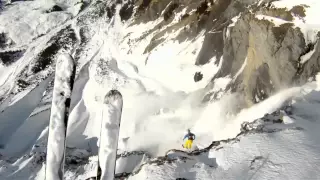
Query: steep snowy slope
205, 65
281, 145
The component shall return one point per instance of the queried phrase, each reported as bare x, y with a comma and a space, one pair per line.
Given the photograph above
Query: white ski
63, 85
109, 136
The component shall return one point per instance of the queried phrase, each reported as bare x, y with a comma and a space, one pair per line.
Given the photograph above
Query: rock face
261, 56
312, 66
268, 66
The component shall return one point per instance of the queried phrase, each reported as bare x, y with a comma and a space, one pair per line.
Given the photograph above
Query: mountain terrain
242, 75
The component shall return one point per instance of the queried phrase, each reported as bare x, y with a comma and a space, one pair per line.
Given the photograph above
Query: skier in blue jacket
191, 137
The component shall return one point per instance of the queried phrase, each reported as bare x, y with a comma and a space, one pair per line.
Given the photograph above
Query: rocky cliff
174, 61
258, 44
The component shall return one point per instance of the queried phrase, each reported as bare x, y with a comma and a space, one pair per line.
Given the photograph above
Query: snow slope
161, 100
289, 150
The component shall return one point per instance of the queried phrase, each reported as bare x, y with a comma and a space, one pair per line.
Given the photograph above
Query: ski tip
113, 95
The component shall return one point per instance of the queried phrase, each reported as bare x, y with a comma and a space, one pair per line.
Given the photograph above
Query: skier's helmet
188, 130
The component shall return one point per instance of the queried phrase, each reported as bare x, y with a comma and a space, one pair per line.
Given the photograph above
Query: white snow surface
161, 100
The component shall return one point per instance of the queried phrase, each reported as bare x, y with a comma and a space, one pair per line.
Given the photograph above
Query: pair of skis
109, 131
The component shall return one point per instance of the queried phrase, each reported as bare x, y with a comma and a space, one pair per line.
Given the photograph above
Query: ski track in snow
160, 103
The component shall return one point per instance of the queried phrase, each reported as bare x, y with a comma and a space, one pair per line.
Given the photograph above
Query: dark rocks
83, 5
281, 31
184, 16
121, 176
76, 157
153, 44
269, 66
264, 124
96, 10
281, 13
45, 57
169, 11
65, 39
9, 57
5, 41
111, 10
149, 10
54, 8
311, 67
212, 46
198, 76
143, 6
263, 83
126, 10
22, 83
127, 154
298, 11
202, 7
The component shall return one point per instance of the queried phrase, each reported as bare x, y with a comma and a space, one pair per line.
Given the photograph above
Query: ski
109, 135
63, 86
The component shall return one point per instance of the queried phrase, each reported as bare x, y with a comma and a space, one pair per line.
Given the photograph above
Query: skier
191, 137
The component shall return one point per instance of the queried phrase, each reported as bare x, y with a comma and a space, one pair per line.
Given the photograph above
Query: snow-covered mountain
243, 75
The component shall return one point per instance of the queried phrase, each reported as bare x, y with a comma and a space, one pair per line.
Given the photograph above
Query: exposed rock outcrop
268, 66
9, 57
5, 41
198, 76
262, 57
54, 9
